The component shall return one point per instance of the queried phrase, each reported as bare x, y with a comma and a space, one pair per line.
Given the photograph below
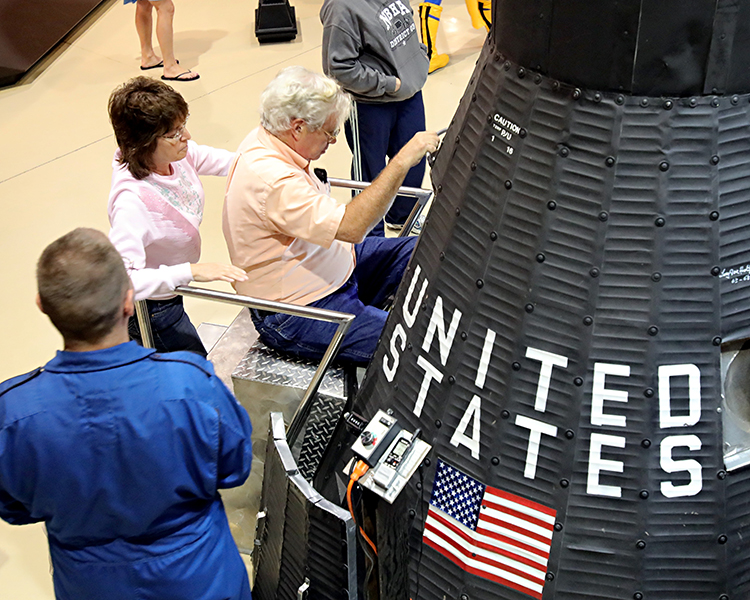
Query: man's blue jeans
379, 268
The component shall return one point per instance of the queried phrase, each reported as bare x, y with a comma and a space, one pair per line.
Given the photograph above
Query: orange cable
359, 470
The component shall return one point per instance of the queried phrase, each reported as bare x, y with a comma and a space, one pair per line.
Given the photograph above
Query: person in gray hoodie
372, 48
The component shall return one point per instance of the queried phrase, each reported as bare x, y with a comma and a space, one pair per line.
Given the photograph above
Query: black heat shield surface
664, 47
602, 228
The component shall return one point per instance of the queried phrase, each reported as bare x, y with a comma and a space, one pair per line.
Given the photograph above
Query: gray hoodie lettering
368, 44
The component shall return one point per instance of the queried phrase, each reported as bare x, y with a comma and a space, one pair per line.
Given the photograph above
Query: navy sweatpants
383, 130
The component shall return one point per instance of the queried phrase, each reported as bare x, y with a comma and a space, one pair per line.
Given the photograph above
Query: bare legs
143, 24
164, 19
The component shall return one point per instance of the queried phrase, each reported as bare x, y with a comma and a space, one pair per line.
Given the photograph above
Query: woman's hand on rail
203, 272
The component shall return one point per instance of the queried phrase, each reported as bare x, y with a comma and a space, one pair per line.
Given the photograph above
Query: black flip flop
158, 65
181, 78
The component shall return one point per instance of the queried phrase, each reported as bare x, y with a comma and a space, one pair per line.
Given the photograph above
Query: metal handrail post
144, 324
350, 184
422, 195
422, 200
344, 321
305, 405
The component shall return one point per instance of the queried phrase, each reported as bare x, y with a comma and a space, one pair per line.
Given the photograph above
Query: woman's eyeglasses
177, 134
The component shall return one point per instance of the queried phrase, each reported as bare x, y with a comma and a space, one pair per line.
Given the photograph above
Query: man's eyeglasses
331, 135
177, 135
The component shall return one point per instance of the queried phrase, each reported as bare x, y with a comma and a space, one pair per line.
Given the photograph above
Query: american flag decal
488, 532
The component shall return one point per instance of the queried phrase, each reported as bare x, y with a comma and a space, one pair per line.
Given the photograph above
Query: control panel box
378, 433
392, 453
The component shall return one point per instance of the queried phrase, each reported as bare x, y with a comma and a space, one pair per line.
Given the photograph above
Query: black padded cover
304, 544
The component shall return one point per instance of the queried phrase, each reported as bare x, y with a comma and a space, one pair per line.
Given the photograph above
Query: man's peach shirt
280, 224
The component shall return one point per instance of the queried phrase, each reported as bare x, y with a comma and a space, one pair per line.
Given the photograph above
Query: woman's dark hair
142, 110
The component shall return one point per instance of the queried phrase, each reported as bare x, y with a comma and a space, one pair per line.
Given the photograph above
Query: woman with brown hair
156, 206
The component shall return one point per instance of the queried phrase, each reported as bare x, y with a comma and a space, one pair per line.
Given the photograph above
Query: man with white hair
296, 243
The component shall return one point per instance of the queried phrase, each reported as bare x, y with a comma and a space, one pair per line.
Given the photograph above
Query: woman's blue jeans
170, 326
